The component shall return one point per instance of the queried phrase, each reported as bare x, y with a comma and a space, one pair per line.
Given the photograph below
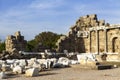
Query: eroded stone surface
15, 41
32, 72
90, 35
18, 70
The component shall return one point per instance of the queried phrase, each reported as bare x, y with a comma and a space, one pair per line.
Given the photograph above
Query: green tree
48, 39
31, 45
44, 40
2, 46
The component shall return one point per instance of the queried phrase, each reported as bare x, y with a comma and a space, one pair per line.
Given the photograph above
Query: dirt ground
73, 73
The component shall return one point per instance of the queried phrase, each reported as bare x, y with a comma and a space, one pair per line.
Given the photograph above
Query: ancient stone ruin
15, 41
14, 44
90, 35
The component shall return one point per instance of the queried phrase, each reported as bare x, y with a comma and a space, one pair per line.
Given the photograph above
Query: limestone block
36, 65
74, 62
3, 75
43, 67
101, 22
23, 63
113, 57
43, 55
92, 63
47, 64
31, 61
32, 72
18, 70
93, 16
16, 63
44, 62
5, 67
64, 61
88, 60
6, 56
17, 33
14, 50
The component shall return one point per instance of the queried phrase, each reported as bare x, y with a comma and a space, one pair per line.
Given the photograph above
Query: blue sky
32, 17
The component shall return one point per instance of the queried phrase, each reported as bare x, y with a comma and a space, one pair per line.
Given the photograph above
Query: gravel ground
73, 73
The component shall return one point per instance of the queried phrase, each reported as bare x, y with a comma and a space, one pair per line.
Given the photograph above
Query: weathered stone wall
114, 40
106, 43
15, 41
101, 41
91, 35
93, 42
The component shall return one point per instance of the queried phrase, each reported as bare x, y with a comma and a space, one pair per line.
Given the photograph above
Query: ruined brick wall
15, 41
91, 35
101, 35
113, 36
108, 40
73, 43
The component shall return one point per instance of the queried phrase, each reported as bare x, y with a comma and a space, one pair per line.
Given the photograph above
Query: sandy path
74, 73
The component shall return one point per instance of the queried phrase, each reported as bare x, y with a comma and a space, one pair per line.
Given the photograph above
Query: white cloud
44, 15
46, 4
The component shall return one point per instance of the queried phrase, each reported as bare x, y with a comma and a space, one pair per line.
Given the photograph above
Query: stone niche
15, 41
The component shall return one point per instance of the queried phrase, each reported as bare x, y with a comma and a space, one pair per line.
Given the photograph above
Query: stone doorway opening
115, 45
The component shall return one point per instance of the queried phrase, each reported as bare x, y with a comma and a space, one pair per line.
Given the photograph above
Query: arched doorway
115, 45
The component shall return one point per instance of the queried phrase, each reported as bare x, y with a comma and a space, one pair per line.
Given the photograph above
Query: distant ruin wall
15, 41
92, 36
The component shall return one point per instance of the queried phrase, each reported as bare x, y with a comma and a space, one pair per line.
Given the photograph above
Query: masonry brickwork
90, 35
15, 41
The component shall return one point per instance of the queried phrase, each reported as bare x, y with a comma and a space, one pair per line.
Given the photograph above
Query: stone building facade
15, 41
90, 35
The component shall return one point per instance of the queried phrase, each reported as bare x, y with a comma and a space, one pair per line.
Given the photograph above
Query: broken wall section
15, 41
78, 37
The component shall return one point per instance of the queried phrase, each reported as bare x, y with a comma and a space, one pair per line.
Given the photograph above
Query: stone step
102, 67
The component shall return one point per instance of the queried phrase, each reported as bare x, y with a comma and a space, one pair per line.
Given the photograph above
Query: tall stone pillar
90, 41
106, 49
97, 42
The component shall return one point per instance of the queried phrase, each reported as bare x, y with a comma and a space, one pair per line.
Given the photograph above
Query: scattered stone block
74, 62
3, 75
58, 65
23, 63
64, 61
10, 61
43, 67
36, 65
88, 60
18, 70
32, 72
31, 62
5, 67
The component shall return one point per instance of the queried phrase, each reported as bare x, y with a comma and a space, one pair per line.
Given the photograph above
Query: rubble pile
31, 67
14, 44
88, 59
15, 41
